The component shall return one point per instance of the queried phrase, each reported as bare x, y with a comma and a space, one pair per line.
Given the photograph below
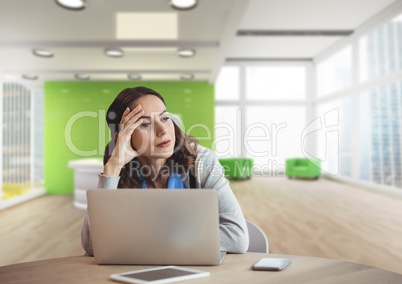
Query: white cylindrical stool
86, 173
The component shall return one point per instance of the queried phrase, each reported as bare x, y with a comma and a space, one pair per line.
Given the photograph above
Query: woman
150, 151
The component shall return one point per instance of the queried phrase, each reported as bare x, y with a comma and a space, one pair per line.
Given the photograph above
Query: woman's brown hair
185, 148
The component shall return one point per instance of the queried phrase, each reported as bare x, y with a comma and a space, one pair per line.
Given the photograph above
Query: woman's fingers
133, 114
126, 111
131, 118
128, 131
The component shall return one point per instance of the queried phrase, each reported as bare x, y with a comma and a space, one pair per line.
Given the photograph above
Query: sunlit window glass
334, 135
273, 134
380, 136
227, 127
380, 51
227, 84
335, 73
276, 83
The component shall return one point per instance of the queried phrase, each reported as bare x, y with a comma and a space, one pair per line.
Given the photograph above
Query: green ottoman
237, 168
303, 168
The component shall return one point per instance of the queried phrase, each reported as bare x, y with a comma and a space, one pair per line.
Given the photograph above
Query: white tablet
159, 275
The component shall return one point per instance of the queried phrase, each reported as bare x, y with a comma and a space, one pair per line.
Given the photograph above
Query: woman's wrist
111, 169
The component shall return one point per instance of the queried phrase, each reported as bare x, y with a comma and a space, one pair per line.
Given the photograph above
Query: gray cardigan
208, 174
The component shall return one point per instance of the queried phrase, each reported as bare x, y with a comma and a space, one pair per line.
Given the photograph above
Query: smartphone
159, 275
270, 263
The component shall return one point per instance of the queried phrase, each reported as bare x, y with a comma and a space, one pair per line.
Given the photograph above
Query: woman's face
155, 137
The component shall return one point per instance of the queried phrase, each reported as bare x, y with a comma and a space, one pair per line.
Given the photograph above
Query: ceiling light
72, 4
114, 52
130, 26
30, 76
134, 76
187, 76
186, 52
183, 4
82, 76
42, 53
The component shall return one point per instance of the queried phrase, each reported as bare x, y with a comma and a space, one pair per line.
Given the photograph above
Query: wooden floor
315, 218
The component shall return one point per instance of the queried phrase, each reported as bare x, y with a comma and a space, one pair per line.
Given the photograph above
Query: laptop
155, 226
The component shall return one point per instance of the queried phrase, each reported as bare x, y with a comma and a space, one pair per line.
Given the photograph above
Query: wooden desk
236, 269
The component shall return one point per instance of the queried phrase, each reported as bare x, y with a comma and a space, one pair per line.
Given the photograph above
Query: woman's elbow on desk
234, 241
243, 242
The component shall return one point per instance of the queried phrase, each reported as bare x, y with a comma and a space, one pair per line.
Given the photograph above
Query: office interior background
269, 80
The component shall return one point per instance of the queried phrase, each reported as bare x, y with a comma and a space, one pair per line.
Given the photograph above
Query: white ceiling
78, 38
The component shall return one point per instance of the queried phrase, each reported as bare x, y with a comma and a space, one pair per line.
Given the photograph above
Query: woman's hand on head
123, 152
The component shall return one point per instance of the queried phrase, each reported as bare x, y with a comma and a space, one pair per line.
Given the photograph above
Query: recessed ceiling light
82, 76
42, 52
187, 76
114, 52
30, 76
183, 4
186, 52
72, 4
134, 76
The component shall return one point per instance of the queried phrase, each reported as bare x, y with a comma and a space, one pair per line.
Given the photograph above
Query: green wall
75, 125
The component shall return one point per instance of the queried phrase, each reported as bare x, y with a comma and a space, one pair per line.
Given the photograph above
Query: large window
22, 143
227, 85
381, 143
261, 113
366, 123
381, 50
273, 134
227, 131
275, 83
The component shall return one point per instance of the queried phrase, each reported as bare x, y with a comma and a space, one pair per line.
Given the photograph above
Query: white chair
258, 239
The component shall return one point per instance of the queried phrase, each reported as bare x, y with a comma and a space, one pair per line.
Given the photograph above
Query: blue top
174, 182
